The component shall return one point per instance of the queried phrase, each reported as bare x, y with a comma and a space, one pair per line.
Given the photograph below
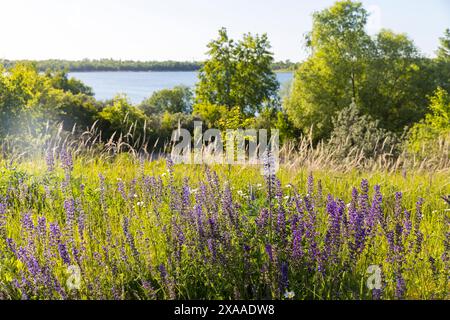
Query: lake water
140, 85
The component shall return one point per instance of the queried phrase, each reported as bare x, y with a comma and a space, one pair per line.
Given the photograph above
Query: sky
180, 29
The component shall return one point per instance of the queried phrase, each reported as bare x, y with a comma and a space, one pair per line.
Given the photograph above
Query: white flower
135, 195
288, 185
289, 294
163, 174
259, 185
240, 192
287, 197
140, 203
193, 190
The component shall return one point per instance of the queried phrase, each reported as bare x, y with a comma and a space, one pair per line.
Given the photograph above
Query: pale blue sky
180, 29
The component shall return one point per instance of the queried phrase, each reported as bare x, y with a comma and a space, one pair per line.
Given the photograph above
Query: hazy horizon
179, 30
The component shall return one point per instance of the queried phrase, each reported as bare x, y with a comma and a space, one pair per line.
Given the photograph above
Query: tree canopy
177, 99
238, 74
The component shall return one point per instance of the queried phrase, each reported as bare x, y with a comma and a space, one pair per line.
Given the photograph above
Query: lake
140, 85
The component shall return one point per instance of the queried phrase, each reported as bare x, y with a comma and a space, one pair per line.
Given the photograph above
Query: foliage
30, 100
286, 65
354, 130
77, 111
441, 65
60, 80
20, 88
443, 52
383, 74
238, 74
436, 125
210, 113
164, 124
177, 99
235, 119
122, 118
287, 130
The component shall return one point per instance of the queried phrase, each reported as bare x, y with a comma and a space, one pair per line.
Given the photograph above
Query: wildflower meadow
73, 227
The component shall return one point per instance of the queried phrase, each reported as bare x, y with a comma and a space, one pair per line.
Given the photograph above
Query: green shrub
427, 134
353, 130
175, 100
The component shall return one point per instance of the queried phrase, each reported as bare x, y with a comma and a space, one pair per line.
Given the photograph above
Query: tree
443, 52
60, 80
238, 74
30, 100
435, 126
20, 88
210, 113
78, 110
122, 118
329, 79
396, 82
441, 65
382, 74
178, 99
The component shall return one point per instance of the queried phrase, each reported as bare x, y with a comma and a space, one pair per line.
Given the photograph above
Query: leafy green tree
329, 79
286, 127
175, 100
441, 65
210, 113
382, 74
235, 119
60, 80
254, 85
436, 125
30, 100
73, 110
443, 52
122, 118
238, 74
395, 82
163, 125
20, 88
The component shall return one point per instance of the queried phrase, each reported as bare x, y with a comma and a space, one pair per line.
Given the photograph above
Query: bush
354, 130
122, 118
176, 100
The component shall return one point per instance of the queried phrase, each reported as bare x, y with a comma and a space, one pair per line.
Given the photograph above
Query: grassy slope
198, 280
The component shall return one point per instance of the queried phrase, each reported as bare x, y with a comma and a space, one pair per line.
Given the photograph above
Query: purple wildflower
129, 237
269, 252
284, 276
2, 219
50, 160
356, 221
400, 286
66, 159
121, 189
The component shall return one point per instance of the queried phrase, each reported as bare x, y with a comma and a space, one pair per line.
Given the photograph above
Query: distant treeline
126, 65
